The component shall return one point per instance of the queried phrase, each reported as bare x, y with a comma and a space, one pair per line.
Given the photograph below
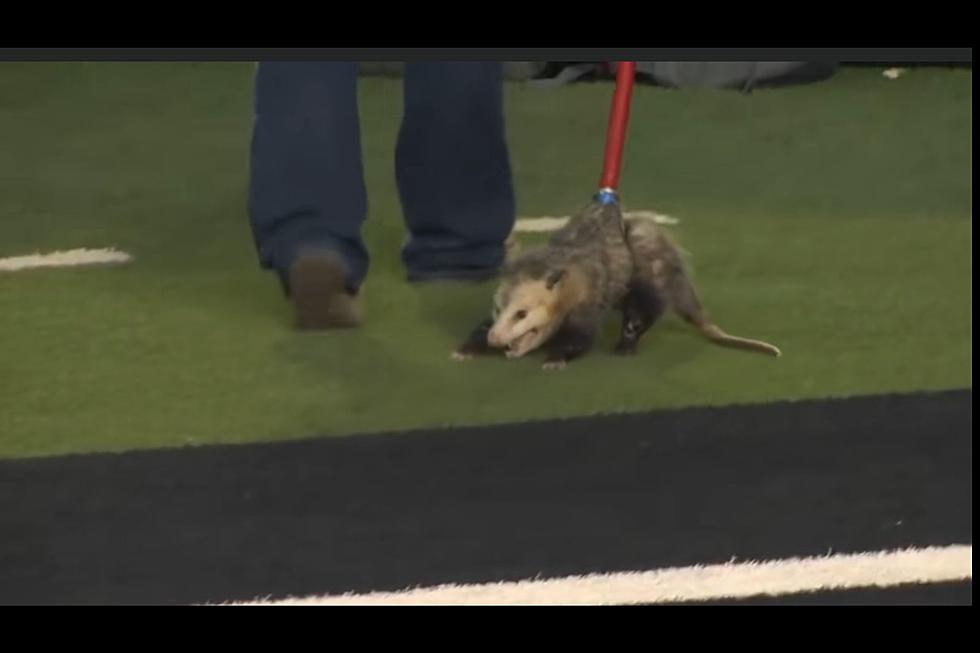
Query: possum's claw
459, 356
553, 366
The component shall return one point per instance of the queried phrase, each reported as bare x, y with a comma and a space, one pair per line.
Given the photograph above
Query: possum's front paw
460, 356
625, 348
554, 366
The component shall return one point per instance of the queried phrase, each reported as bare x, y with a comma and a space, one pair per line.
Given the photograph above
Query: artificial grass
834, 220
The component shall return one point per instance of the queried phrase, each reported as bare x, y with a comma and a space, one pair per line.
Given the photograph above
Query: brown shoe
317, 282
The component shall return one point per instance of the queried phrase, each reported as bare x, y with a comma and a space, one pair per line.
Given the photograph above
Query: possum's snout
520, 346
513, 343
508, 328
494, 340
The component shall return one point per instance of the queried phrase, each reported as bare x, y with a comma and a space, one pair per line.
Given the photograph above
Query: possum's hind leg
642, 307
476, 343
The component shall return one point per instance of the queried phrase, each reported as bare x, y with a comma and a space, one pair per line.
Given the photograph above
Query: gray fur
593, 241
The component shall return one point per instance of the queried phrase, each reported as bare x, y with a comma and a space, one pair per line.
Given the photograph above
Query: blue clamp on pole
607, 196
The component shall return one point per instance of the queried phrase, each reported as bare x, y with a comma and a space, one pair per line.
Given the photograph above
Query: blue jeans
451, 164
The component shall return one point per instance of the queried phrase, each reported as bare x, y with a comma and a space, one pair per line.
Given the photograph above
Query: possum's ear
553, 278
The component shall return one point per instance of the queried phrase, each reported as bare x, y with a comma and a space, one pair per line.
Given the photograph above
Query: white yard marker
62, 259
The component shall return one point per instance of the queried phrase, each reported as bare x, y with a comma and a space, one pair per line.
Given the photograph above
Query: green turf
833, 219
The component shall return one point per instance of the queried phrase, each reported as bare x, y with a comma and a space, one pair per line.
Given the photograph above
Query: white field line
723, 581
551, 223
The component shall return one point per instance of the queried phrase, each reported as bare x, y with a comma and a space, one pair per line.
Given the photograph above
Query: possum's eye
520, 315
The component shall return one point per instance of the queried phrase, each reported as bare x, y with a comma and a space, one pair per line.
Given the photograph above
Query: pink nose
493, 338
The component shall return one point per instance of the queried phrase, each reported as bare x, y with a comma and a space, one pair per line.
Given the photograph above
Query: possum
557, 296
661, 280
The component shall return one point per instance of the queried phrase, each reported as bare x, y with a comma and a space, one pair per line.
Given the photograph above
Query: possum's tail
714, 333
686, 303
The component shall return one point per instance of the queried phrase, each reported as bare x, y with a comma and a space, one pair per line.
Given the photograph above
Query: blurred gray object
737, 75
513, 70
740, 75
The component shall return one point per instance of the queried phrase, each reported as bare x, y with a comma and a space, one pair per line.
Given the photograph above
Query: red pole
618, 119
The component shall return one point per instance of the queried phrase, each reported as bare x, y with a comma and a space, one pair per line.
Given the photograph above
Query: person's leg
453, 170
307, 200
